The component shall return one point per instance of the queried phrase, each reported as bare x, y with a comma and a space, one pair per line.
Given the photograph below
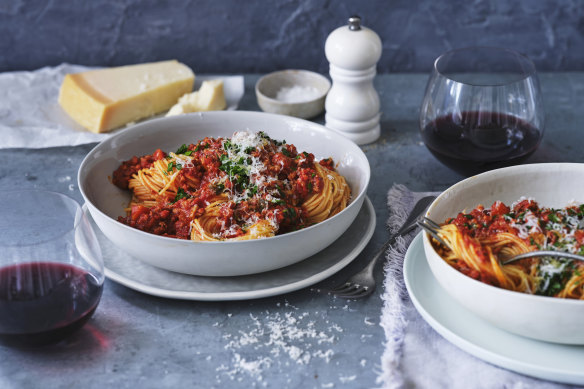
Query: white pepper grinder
352, 104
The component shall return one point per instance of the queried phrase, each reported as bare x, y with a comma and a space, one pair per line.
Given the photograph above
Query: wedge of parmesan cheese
209, 97
105, 99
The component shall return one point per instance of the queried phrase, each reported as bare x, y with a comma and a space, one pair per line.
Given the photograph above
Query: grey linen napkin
415, 355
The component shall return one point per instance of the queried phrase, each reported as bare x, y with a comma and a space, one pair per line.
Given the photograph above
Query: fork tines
432, 228
350, 290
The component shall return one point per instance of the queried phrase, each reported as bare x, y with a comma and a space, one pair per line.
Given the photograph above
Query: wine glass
51, 268
482, 109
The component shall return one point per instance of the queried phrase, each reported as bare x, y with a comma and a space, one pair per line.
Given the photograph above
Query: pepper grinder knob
352, 104
354, 23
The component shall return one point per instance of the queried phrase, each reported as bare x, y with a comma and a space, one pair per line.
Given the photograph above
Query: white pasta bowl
106, 202
538, 317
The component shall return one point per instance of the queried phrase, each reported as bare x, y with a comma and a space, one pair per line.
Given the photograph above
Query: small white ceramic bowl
298, 93
538, 317
106, 202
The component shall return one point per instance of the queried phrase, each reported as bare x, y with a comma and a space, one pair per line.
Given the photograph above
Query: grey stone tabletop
303, 339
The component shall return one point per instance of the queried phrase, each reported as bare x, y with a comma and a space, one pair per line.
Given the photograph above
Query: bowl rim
490, 288
308, 73
137, 127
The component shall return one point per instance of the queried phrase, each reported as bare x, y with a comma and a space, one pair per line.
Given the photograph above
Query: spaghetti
481, 239
248, 186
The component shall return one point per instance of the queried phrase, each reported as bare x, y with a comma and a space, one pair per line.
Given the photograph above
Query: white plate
549, 361
138, 275
106, 202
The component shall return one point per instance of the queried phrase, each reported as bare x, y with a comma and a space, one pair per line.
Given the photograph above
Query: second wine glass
482, 109
51, 267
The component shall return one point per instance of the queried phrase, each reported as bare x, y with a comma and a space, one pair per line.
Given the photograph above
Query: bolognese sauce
228, 187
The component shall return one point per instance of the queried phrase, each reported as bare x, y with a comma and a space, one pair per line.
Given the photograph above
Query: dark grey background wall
235, 36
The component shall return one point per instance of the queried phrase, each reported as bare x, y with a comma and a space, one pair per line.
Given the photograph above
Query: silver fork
432, 228
362, 284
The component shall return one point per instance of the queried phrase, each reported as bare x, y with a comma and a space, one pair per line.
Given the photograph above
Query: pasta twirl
481, 239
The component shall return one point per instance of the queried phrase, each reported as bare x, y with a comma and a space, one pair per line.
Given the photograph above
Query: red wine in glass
43, 302
482, 109
472, 142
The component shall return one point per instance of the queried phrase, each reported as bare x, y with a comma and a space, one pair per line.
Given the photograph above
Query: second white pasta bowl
539, 317
106, 202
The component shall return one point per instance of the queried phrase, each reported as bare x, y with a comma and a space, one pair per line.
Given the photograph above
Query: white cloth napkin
415, 355
30, 115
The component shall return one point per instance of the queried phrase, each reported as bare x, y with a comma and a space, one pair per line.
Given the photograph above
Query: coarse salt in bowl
106, 201
298, 93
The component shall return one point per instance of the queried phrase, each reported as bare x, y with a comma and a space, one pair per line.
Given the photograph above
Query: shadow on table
89, 340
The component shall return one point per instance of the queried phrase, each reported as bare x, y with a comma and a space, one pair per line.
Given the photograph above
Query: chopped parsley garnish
553, 274
237, 171
183, 149
219, 188
181, 194
172, 165
553, 218
290, 212
265, 136
228, 145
